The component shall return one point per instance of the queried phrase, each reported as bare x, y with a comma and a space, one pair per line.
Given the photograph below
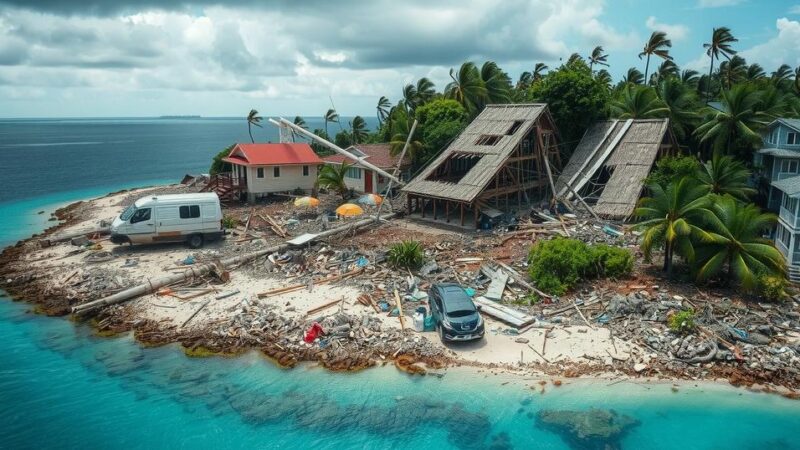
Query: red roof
272, 154
377, 154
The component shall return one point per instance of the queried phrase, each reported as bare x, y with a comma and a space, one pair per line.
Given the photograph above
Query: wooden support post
475, 211
422, 199
462, 214
434, 209
408, 203
447, 210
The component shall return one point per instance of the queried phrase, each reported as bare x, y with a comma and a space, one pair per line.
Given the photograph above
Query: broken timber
515, 318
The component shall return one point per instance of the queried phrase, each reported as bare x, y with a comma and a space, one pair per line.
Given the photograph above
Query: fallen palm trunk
48, 241
200, 270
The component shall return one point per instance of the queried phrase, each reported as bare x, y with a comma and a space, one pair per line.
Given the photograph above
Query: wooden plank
400, 310
497, 286
512, 317
323, 306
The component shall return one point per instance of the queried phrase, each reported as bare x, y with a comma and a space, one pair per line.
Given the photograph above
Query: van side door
142, 229
168, 226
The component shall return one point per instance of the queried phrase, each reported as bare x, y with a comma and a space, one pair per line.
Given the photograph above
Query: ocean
63, 387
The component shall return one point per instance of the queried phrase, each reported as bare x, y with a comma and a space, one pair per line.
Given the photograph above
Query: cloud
781, 49
674, 32
794, 9
717, 3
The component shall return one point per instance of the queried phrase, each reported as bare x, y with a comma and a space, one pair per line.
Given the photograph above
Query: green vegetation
772, 288
406, 254
253, 119
670, 168
332, 177
229, 222
558, 264
681, 321
217, 164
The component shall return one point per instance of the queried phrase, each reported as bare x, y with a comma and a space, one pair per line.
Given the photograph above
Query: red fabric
313, 332
273, 154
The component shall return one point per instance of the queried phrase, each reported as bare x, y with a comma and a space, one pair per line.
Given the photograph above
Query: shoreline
415, 358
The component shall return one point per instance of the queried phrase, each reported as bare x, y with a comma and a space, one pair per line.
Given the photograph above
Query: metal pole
397, 168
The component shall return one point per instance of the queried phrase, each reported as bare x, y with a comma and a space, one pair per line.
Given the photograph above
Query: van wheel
195, 241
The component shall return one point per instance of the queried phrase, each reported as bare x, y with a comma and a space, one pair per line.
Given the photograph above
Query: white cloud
674, 32
781, 49
717, 3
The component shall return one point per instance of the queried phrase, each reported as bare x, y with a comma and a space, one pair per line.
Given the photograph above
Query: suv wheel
195, 241
440, 329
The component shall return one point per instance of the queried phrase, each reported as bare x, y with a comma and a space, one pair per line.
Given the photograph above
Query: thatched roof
494, 121
628, 149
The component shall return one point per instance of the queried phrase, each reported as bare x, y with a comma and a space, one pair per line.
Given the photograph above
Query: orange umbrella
370, 199
349, 209
306, 202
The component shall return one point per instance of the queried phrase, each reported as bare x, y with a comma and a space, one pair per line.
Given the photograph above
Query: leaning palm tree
300, 122
633, 76
755, 72
724, 175
332, 176
690, 78
496, 82
732, 71
410, 96
598, 57
738, 123
782, 76
383, 109
525, 80
574, 58
538, 71
667, 69
658, 45
604, 78
638, 102
330, 116
253, 119
670, 217
467, 86
797, 80
426, 90
358, 128
400, 123
681, 103
735, 243
721, 41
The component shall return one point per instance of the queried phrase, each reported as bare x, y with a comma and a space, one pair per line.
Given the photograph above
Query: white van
193, 218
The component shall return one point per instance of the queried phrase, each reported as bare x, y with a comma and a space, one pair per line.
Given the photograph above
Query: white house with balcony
780, 163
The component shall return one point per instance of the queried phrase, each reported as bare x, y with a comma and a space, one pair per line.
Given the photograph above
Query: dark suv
454, 314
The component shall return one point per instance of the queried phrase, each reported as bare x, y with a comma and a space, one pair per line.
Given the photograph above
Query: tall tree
573, 58
603, 77
755, 72
782, 77
426, 90
300, 122
735, 243
330, 116
725, 175
467, 87
598, 57
690, 78
538, 71
658, 45
721, 44
358, 128
253, 119
666, 69
383, 109
681, 103
496, 82
400, 123
638, 102
736, 128
525, 80
732, 71
633, 76
410, 96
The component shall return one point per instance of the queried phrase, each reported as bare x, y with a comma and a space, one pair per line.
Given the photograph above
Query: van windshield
128, 213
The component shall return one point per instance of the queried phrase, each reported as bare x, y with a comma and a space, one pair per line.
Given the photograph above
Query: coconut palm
300, 122
383, 109
426, 90
670, 216
574, 58
633, 76
732, 71
253, 119
797, 80
358, 128
598, 57
681, 103
525, 80
603, 77
467, 86
638, 102
690, 78
755, 72
773, 103
735, 243
658, 45
783, 76
721, 41
330, 116
410, 96
738, 124
496, 82
332, 176
400, 123
666, 69
538, 71
725, 175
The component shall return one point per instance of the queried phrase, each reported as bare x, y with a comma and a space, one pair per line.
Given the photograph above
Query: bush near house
557, 265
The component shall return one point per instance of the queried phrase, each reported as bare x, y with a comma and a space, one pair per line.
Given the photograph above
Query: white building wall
291, 177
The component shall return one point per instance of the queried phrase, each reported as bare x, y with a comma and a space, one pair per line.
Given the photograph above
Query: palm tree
670, 217
400, 123
525, 80
738, 123
732, 71
332, 176
358, 128
633, 76
538, 71
658, 45
598, 57
735, 242
467, 86
253, 119
603, 77
755, 72
330, 116
300, 122
496, 82
666, 69
797, 80
573, 58
383, 109
638, 102
725, 175
690, 78
782, 76
681, 103
426, 90
721, 41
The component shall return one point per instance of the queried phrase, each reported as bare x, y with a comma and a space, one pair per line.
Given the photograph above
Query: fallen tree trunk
200, 270
46, 242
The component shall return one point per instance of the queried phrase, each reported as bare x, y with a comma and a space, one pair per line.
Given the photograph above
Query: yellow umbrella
349, 209
370, 199
306, 201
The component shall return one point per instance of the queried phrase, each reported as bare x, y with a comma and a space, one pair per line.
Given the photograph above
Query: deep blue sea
62, 387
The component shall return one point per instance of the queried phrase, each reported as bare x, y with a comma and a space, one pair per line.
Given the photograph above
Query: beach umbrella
306, 202
349, 209
370, 199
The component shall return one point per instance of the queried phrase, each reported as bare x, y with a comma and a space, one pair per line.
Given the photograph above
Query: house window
189, 211
260, 172
773, 137
276, 172
305, 171
353, 172
488, 139
791, 139
785, 236
789, 166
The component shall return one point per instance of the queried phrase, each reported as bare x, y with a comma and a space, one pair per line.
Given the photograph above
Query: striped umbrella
307, 202
370, 199
349, 209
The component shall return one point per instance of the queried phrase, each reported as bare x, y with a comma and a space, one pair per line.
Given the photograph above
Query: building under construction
504, 158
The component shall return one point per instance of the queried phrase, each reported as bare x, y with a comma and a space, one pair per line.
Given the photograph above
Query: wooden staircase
226, 186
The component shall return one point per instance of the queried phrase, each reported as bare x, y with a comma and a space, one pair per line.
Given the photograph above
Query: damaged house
610, 164
499, 161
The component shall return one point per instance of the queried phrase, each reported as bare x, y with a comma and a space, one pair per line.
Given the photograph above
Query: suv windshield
128, 213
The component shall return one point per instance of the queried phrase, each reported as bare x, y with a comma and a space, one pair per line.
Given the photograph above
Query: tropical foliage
406, 254
332, 176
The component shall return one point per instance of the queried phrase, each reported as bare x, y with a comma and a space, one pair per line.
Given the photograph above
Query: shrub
557, 265
229, 222
217, 164
772, 287
682, 321
406, 254
673, 167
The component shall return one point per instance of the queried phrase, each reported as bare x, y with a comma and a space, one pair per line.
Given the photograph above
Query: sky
141, 58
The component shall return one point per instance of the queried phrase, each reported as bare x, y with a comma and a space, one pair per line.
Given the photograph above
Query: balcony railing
789, 217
